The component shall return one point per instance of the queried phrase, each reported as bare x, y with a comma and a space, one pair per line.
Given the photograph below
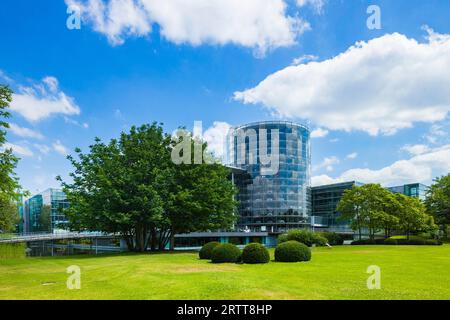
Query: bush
12, 251
255, 253
206, 250
391, 242
363, 242
411, 242
226, 252
306, 237
292, 251
431, 242
282, 238
333, 238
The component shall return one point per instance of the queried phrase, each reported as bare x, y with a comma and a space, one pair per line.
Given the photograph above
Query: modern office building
324, 204
57, 201
416, 190
325, 199
274, 160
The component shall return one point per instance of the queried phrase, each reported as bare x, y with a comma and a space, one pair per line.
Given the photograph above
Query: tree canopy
10, 189
438, 201
374, 208
132, 187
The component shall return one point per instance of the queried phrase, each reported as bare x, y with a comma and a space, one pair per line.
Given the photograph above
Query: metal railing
26, 237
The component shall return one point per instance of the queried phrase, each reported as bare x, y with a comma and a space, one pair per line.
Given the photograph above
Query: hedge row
402, 242
12, 251
307, 237
254, 253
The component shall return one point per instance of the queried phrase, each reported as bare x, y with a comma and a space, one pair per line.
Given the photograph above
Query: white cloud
439, 132
319, 133
18, 149
327, 163
352, 155
44, 149
303, 59
316, 4
420, 168
258, 24
76, 123
41, 100
24, 132
60, 148
379, 86
415, 149
215, 136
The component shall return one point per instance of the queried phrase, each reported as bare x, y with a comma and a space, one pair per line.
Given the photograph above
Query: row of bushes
311, 238
404, 242
254, 253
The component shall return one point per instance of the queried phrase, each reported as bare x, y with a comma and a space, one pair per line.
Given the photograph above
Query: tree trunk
129, 242
154, 239
172, 241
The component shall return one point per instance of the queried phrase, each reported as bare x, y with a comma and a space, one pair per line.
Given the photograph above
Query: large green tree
119, 187
201, 196
9, 184
438, 201
131, 186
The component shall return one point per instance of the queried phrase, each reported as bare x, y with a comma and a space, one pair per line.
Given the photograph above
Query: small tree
9, 183
350, 207
10, 189
9, 216
412, 215
438, 201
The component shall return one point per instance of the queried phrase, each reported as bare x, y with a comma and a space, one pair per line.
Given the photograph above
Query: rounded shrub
226, 252
363, 242
417, 242
306, 237
255, 253
292, 251
432, 242
320, 241
392, 242
282, 238
206, 250
333, 238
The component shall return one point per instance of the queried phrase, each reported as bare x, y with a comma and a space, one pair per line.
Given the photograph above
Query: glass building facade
274, 188
324, 203
416, 190
57, 201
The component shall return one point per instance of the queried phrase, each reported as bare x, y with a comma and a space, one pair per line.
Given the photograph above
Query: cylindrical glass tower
274, 192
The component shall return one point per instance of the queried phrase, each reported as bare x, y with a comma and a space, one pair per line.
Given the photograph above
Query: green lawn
408, 272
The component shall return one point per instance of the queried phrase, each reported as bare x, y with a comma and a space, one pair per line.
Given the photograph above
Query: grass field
407, 272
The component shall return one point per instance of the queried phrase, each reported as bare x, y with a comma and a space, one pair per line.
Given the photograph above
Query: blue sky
232, 62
